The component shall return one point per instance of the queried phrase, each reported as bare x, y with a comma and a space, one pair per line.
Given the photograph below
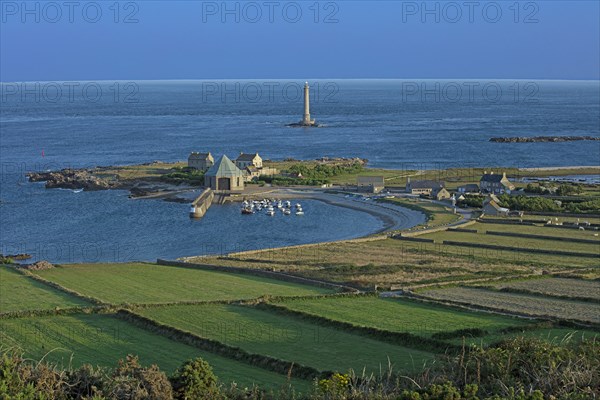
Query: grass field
559, 287
523, 243
553, 335
537, 230
520, 303
101, 340
19, 293
400, 315
437, 214
150, 283
288, 338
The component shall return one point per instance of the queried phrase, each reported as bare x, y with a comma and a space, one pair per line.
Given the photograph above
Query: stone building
495, 183
224, 176
201, 161
249, 160
370, 184
426, 187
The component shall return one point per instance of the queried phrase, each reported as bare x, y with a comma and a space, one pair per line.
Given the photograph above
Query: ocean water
392, 123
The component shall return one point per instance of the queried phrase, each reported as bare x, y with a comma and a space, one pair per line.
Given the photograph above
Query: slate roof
246, 157
201, 156
371, 180
426, 184
224, 167
495, 178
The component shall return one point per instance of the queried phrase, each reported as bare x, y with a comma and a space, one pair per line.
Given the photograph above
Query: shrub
195, 380
130, 381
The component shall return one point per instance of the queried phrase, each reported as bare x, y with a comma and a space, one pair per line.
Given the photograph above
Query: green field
19, 292
554, 335
524, 243
537, 230
520, 303
437, 214
400, 315
288, 338
101, 340
151, 283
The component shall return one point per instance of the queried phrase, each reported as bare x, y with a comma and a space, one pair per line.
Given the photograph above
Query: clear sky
280, 39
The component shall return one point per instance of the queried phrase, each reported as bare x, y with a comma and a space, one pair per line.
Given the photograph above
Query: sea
402, 124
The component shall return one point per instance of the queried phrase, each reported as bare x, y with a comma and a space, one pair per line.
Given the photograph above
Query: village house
441, 194
370, 184
249, 160
224, 176
495, 183
201, 161
423, 187
470, 188
492, 207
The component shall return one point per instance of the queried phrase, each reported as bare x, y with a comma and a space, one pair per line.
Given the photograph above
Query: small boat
288, 204
287, 212
299, 212
77, 190
247, 210
299, 209
270, 213
298, 205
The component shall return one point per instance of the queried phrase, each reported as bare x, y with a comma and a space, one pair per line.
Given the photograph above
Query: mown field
400, 315
519, 303
291, 339
540, 229
20, 293
555, 287
522, 243
101, 340
554, 335
437, 214
151, 283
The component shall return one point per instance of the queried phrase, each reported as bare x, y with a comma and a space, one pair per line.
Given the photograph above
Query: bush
195, 380
130, 381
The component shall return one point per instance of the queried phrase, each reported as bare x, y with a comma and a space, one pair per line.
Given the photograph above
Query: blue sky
345, 39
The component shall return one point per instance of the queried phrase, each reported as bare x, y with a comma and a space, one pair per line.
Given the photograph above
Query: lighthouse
306, 121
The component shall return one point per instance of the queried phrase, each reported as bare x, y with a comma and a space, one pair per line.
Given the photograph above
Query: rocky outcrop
74, 179
38, 266
542, 139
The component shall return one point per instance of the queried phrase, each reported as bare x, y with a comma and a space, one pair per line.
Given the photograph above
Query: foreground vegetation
523, 369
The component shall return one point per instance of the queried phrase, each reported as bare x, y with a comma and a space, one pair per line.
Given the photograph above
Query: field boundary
272, 364
499, 310
259, 273
403, 339
543, 237
61, 288
519, 249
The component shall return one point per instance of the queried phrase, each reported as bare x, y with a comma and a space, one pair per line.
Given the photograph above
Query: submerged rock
536, 139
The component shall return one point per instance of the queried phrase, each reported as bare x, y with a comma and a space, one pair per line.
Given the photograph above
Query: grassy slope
149, 283
518, 303
287, 338
400, 315
18, 292
103, 340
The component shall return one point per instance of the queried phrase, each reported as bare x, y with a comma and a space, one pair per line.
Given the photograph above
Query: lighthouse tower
306, 121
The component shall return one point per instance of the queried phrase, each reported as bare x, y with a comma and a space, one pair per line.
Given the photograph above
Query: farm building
371, 184
201, 161
495, 183
224, 175
423, 187
248, 160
